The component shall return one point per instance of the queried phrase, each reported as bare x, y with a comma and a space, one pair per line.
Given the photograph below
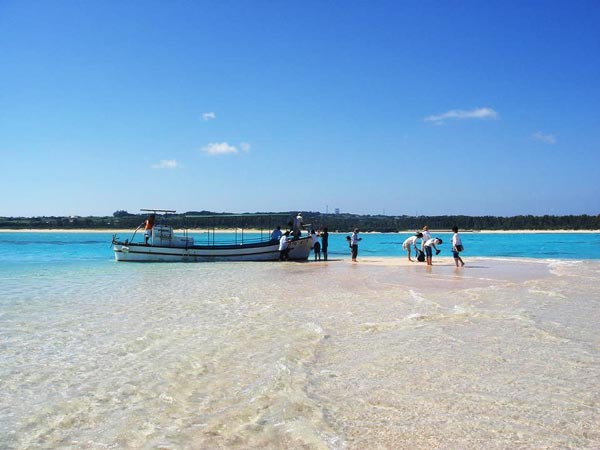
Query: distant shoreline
251, 230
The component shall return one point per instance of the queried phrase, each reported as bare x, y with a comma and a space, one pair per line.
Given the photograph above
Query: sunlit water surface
500, 354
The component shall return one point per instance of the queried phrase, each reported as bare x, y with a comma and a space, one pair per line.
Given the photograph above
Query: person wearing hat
298, 224
354, 243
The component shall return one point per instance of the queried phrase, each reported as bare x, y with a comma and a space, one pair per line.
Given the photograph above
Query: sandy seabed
378, 354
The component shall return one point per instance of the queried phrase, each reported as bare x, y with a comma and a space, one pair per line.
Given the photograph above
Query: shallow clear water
96, 354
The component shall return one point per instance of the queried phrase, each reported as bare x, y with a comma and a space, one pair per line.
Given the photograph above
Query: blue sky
402, 107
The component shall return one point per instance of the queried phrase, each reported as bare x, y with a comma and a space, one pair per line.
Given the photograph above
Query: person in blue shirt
276, 234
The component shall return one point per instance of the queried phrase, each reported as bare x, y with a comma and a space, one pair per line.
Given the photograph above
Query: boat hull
267, 251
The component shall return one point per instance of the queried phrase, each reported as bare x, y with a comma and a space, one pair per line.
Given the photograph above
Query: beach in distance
256, 231
378, 354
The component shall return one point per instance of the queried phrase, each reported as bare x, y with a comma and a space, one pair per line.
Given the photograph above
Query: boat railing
211, 235
247, 232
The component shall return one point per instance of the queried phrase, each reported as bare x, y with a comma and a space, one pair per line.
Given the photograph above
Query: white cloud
208, 116
543, 137
166, 164
460, 114
245, 147
219, 148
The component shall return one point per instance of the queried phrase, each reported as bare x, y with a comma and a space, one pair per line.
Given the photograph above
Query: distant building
337, 210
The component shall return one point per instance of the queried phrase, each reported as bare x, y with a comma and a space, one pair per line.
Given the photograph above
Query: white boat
165, 246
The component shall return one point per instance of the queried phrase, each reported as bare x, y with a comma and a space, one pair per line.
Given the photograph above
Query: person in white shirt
354, 243
457, 247
412, 242
284, 246
316, 244
298, 225
426, 237
429, 244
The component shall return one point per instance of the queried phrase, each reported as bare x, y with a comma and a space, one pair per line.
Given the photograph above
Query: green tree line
334, 222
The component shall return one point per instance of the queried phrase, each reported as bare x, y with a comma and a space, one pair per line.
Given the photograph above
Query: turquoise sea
381, 354
24, 249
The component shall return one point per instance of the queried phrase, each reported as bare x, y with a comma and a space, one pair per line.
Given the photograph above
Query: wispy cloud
461, 114
544, 137
219, 148
245, 147
166, 164
208, 116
